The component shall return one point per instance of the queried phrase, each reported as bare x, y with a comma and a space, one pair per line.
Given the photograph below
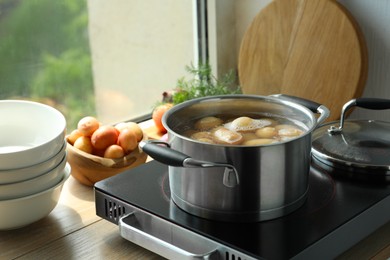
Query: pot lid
355, 143
361, 144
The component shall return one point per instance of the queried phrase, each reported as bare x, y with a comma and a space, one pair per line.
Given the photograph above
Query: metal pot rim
273, 99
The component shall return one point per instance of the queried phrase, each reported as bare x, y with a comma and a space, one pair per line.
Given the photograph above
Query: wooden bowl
89, 169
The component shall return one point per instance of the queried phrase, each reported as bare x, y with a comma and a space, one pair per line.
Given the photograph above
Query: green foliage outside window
45, 55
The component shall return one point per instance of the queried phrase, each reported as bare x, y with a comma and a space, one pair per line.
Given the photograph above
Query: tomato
157, 115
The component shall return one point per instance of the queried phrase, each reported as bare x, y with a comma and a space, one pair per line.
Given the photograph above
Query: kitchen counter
73, 231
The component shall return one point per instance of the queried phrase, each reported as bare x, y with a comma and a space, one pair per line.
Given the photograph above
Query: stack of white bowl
33, 162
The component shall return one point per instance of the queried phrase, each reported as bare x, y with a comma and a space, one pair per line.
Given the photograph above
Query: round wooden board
312, 49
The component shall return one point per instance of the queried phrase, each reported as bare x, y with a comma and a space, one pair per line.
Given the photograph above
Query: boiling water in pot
247, 130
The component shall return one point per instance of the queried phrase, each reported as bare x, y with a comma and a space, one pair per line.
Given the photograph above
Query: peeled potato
284, 126
208, 122
259, 142
249, 136
205, 137
206, 140
244, 124
225, 136
201, 134
266, 132
243, 130
241, 124
271, 121
189, 133
290, 132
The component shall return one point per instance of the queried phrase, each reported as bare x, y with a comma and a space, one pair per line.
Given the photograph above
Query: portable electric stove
336, 215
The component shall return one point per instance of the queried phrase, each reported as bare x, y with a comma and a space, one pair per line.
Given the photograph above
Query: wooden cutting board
308, 48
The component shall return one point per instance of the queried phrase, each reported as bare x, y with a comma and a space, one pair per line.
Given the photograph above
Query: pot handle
313, 106
368, 103
165, 238
160, 151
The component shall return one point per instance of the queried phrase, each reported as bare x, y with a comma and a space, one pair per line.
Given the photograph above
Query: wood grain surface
308, 48
74, 231
71, 231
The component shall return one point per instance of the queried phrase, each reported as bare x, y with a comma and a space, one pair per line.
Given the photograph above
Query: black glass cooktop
336, 215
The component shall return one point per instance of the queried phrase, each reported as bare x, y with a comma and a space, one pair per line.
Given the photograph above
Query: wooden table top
74, 231
71, 231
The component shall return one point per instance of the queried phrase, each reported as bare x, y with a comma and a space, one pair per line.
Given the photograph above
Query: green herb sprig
204, 84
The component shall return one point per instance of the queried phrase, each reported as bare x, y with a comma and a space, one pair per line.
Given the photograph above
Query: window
139, 50
45, 54
111, 59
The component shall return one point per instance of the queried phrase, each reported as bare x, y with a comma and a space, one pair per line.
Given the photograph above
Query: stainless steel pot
232, 182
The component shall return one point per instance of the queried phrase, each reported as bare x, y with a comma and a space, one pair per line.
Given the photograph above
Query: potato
207, 123
249, 136
120, 126
225, 136
133, 127
127, 139
104, 136
114, 152
88, 125
266, 132
205, 137
73, 136
247, 124
84, 144
137, 130
284, 126
106, 140
289, 132
260, 142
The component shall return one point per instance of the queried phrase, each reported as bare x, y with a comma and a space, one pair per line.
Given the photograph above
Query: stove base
335, 216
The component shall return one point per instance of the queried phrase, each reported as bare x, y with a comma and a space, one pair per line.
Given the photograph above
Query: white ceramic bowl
17, 213
26, 173
30, 133
34, 185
